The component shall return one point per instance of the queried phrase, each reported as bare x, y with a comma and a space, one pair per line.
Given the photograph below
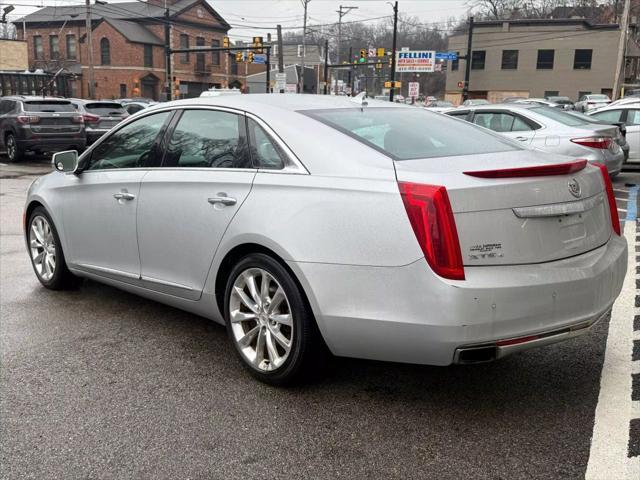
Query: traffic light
239, 57
225, 42
363, 55
250, 57
378, 65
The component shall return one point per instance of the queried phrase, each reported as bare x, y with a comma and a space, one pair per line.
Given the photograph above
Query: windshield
48, 106
406, 133
560, 116
105, 109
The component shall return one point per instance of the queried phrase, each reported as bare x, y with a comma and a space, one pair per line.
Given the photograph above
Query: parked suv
99, 116
39, 124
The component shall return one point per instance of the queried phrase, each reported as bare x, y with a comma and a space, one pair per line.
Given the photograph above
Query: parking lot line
609, 444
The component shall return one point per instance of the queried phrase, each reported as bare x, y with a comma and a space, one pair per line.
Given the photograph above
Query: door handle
124, 196
222, 199
522, 139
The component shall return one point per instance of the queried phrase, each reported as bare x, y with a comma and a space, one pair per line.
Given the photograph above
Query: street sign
446, 56
372, 52
414, 89
380, 52
259, 58
387, 84
415, 61
281, 81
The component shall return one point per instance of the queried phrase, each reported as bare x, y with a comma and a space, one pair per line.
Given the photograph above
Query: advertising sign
415, 61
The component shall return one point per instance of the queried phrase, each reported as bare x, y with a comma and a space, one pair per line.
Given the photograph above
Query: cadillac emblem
574, 188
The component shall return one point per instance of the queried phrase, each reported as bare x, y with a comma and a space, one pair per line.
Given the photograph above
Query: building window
105, 52
509, 59
123, 90
148, 56
184, 43
582, 60
71, 47
300, 51
54, 50
551, 93
545, 59
199, 56
477, 59
215, 56
37, 47
455, 64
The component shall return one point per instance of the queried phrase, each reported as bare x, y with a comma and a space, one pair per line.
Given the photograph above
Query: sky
289, 13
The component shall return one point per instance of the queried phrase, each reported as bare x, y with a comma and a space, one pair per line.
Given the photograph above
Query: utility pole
167, 54
305, 3
92, 85
393, 51
350, 69
467, 66
622, 46
342, 11
326, 65
280, 53
268, 65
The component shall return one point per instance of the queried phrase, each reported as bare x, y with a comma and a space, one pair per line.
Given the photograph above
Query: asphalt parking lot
98, 383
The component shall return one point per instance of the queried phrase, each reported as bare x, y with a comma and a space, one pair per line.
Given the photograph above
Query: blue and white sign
446, 56
260, 58
415, 61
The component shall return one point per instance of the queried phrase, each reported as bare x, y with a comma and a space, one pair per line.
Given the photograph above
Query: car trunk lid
520, 220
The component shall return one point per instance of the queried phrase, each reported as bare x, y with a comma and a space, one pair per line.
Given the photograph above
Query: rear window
598, 97
408, 133
560, 116
105, 109
48, 106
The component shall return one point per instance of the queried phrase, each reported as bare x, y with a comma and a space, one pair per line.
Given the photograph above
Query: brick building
128, 47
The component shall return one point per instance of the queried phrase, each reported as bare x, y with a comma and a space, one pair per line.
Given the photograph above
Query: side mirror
66, 162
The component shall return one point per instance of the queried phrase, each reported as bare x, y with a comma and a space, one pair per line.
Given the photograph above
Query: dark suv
39, 124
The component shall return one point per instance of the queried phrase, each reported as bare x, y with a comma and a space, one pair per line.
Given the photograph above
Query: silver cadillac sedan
310, 224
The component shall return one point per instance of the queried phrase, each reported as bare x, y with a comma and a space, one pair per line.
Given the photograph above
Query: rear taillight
594, 142
538, 171
613, 208
431, 218
88, 118
28, 119
77, 119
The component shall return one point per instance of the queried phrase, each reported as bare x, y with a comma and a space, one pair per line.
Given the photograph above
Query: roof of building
550, 21
122, 11
134, 32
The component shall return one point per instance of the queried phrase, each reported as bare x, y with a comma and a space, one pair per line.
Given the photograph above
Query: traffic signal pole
393, 51
167, 55
326, 65
467, 66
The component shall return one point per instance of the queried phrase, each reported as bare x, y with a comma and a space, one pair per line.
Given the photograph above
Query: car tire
45, 252
306, 356
14, 152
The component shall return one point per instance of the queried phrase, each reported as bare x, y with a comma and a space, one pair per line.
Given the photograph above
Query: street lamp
6, 10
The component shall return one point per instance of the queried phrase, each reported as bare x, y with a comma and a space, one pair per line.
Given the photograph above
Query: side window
520, 125
498, 122
633, 116
130, 146
208, 139
5, 106
608, 116
265, 152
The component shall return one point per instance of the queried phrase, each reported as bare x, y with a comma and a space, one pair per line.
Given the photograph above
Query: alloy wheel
261, 319
11, 147
43, 247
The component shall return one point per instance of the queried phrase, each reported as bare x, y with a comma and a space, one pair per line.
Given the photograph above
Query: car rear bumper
54, 144
407, 314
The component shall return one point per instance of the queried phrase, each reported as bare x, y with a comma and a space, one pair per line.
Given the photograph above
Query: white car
305, 223
550, 129
591, 102
629, 114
